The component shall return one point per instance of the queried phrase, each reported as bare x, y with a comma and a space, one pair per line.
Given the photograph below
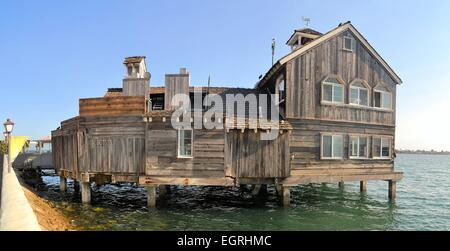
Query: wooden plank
185, 181
308, 179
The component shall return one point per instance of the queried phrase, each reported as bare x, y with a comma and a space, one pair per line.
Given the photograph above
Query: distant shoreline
421, 152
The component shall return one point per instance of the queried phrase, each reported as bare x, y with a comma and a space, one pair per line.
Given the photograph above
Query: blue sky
55, 52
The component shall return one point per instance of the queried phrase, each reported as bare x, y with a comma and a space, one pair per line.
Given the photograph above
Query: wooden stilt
341, 184
62, 184
86, 192
286, 196
151, 196
363, 186
279, 189
256, 190
392, 189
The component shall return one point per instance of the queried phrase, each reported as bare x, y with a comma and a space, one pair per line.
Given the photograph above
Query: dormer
302, 37
135, 67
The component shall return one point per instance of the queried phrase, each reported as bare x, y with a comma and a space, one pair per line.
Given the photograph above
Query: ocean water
423, 203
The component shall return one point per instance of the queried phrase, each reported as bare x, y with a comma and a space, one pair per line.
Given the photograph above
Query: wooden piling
286, 196
86, 192
151, 196
363, 186
256, 189
62, 184
392, 190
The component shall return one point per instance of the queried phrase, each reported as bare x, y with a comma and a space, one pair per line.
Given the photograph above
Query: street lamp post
9, 126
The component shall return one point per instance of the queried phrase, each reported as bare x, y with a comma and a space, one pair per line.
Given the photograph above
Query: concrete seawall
16, 213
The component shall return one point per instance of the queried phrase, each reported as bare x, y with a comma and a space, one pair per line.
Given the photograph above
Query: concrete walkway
16, 213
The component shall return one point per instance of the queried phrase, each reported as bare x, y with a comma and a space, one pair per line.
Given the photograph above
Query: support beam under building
62, 184
392, 189
86, 192
151, 196
259, 189
363, 186
286, 196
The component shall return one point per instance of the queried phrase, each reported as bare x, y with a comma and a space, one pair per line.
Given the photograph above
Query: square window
378, 99
326, 146
348, 43
364, 97
382, 148
387, 100
338, 94
358, 147
327, 93
332, 146
354, 96
363, 143
185, 143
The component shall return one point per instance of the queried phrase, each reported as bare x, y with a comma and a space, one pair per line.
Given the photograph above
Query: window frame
339, 84
381, 157
359, 138
351, 44
179, 156
332, 150
352, 86
386, 91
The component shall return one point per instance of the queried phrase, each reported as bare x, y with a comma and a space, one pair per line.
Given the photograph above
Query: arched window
332, 90
359, 93
382, 98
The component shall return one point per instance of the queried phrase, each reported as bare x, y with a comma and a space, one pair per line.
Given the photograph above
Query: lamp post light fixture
9, 126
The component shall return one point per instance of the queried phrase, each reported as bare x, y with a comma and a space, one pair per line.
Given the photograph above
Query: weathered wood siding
305, 73
305, 148
101, 145
251, 157
112, 145
65, 146
175, 84
122, 105
162, 152
135, 87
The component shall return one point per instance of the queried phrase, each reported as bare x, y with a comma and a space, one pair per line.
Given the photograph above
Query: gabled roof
305, 31
341, 28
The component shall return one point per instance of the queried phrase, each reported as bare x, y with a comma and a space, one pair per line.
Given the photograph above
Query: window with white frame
348, 43
332, 91
381, 148
382, 98
359, 94
332, 146
185, 143
359, 147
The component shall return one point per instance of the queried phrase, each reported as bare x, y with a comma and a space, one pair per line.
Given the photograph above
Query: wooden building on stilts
336, 103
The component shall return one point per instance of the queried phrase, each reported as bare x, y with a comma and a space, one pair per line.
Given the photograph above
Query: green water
423, 203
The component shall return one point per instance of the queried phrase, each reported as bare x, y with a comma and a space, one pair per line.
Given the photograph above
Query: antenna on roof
273, 49
306, 20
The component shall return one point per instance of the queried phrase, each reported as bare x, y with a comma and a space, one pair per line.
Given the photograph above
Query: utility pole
273, 50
